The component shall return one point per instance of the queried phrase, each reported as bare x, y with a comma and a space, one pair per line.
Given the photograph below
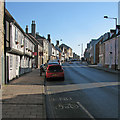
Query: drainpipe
4, 56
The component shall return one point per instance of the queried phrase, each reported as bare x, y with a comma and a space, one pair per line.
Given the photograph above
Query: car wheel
63, 78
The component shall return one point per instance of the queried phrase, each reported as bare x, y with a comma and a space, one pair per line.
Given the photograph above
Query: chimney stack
26, 29
49, 38
33, 28
57, 43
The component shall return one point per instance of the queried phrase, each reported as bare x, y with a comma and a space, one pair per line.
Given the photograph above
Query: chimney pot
57, 42
49, 38
33, 28
26, 28
33, 22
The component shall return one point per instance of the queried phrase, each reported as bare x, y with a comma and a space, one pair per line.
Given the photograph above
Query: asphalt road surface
85, 93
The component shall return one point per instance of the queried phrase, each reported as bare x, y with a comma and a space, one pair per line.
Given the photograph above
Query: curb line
113, 72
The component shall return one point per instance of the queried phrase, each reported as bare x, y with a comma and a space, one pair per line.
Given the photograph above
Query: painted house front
18, 49
14, 53
118, 44
92, 50
96, 50
111, 53
38, 50
45, 48
14, 48
28, 56
54, 53
67, 51
101, 53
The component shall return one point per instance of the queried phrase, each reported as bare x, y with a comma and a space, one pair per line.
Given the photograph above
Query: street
85, 93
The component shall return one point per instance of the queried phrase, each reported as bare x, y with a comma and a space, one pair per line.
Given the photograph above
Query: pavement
24, 97
101, 68
104, 69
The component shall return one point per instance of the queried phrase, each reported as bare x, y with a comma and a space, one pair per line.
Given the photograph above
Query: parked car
54, 71
51, 63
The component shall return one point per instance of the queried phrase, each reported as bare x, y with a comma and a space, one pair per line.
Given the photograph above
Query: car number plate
54, 75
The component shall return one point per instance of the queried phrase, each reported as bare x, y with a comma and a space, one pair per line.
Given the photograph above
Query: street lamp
106, 17
79, 45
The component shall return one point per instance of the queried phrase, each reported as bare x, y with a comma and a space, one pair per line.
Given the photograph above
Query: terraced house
67, 51
38, 51
19, 48
43, 55
111, 49
27, 50
104, 51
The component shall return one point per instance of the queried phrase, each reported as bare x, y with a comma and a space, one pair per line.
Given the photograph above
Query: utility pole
79, 45
115, 36
82, 50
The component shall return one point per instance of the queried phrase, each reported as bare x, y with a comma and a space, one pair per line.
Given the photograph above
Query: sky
76, 23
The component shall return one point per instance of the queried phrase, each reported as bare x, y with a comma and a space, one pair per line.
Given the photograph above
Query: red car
54, 71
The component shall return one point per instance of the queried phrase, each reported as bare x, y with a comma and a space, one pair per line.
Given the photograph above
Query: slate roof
58, 48
63, 45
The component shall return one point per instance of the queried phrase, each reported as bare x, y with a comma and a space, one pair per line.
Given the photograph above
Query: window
11, 61
16, 34
55, 68
111, 47
31, 47
107, 47
7, 34
16, 62
21, 40
7, 30
26, 43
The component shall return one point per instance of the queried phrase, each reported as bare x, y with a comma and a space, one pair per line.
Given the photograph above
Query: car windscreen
55, 68
53, 63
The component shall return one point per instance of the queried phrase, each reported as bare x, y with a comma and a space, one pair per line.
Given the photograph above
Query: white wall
20, 36
14, 65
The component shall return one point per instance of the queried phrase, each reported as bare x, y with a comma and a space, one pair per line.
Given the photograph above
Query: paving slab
24, 97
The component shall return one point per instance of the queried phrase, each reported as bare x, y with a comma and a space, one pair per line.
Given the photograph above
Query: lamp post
79, 45
106, 17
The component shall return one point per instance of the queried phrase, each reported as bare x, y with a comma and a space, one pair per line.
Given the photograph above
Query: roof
118, 30
58, 48
30, 35
11, 19
63, 45
92, 42
39, 37
30, 39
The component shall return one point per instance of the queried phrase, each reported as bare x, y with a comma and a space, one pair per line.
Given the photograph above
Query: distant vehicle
70, 62
54, 71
